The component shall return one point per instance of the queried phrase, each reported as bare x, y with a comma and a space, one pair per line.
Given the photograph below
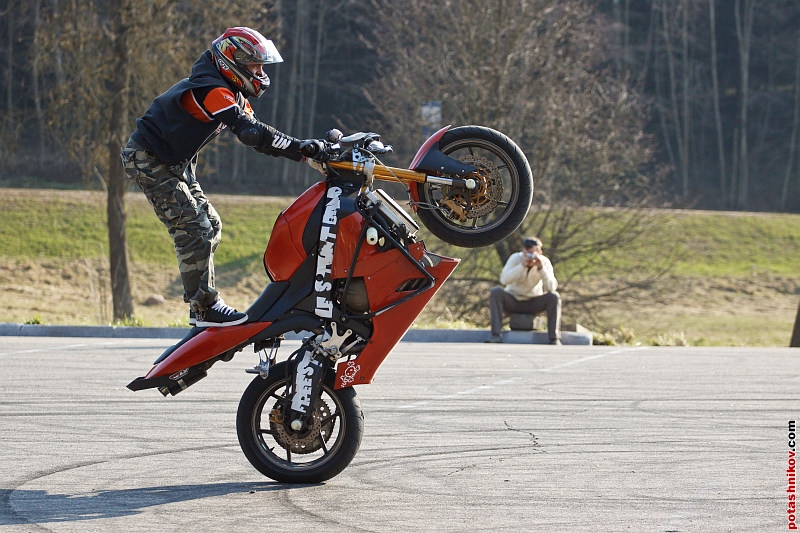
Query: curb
412, 335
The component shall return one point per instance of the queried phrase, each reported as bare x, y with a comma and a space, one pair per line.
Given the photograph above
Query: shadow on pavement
37, 506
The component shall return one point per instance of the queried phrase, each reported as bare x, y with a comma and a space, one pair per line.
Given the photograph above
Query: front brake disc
479, 201
308, 440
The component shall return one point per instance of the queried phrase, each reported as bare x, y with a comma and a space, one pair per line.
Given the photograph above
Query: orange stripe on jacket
191, 105
216, 101
219, 100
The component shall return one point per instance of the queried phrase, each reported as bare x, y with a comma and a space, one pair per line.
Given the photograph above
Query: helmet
239, 47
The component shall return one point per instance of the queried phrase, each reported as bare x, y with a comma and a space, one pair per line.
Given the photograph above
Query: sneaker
220, 315
494, 339
555, 342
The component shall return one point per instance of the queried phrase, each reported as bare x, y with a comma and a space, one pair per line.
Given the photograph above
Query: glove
266, 139
315, 149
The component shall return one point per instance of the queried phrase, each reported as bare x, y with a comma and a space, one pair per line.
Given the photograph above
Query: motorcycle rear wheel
500, 203
313, 455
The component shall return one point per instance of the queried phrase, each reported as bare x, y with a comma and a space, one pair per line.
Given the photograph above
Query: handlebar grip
314, 149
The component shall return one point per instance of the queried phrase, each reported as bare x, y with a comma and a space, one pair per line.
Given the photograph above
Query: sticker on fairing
327, 239
303, 385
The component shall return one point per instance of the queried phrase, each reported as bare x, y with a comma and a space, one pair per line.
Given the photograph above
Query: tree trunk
118, 248
793, 143
320, 39
679, 124
744, 32
10, 18
795, 343
685, 107
293, 100
37, 94
717, 113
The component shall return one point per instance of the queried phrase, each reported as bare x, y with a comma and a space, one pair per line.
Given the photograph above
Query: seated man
530, 287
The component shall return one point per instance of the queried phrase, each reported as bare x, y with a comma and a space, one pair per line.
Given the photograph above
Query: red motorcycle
346, 266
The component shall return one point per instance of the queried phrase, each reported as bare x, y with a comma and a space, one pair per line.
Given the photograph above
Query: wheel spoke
278, 396
327, 419
322, 440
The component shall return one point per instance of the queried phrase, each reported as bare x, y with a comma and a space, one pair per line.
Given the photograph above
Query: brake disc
310, 439
483, 198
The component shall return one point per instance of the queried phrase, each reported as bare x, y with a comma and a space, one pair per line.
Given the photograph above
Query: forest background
621, 106
714, 80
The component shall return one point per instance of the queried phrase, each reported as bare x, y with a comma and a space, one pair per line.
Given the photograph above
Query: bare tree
744, 34
11, 17
121, 29
795, 126
36, 82
712, 17
104, 86
536, 71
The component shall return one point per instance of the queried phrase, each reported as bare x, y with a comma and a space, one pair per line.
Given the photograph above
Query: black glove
266, 139
315, 149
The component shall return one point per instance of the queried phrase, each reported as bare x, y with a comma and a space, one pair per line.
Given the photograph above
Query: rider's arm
222, 105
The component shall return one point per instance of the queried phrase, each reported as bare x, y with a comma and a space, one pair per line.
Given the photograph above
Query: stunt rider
161, 156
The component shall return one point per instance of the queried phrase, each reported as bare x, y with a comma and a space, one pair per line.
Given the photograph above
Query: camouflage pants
192, 222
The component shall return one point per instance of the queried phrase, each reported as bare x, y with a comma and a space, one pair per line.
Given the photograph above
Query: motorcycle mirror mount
333, 135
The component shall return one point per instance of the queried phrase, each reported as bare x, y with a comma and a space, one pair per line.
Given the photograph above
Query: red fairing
347, 238
285, 251
207, 344
433, 139
382, 277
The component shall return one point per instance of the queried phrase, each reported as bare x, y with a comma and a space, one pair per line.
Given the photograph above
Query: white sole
201, 324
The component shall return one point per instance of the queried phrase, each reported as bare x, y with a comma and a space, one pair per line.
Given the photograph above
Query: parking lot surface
459, 437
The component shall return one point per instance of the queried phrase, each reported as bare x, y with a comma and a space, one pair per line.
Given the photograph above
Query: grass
734, 277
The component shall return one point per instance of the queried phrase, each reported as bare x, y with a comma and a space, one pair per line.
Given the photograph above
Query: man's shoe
220, 315
555, 342
494, 339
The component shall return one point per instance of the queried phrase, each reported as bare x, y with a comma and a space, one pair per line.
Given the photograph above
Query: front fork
311, 363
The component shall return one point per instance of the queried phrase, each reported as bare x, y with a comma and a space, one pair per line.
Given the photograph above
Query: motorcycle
347, 267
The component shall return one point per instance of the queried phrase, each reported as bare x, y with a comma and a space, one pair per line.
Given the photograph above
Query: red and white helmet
239, 47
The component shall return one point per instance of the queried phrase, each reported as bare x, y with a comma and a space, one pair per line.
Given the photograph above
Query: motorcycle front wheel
496, 207
316, 453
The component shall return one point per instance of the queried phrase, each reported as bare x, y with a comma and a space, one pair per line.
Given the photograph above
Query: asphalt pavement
459, 437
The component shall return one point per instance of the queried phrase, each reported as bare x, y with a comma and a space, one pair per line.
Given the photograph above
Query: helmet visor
263, 53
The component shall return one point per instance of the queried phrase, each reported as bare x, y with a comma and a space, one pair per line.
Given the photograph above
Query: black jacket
168, 130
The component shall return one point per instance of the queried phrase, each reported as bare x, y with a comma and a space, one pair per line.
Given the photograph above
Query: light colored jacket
525, 283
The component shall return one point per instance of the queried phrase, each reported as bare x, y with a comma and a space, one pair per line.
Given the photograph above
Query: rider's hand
314, 149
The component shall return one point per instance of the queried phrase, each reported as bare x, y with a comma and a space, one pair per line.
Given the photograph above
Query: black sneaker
220, 315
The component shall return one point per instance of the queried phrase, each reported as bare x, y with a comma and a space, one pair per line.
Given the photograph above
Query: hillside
735, 279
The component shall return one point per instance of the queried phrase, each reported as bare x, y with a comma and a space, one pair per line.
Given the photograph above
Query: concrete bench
527, 328
525, 322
